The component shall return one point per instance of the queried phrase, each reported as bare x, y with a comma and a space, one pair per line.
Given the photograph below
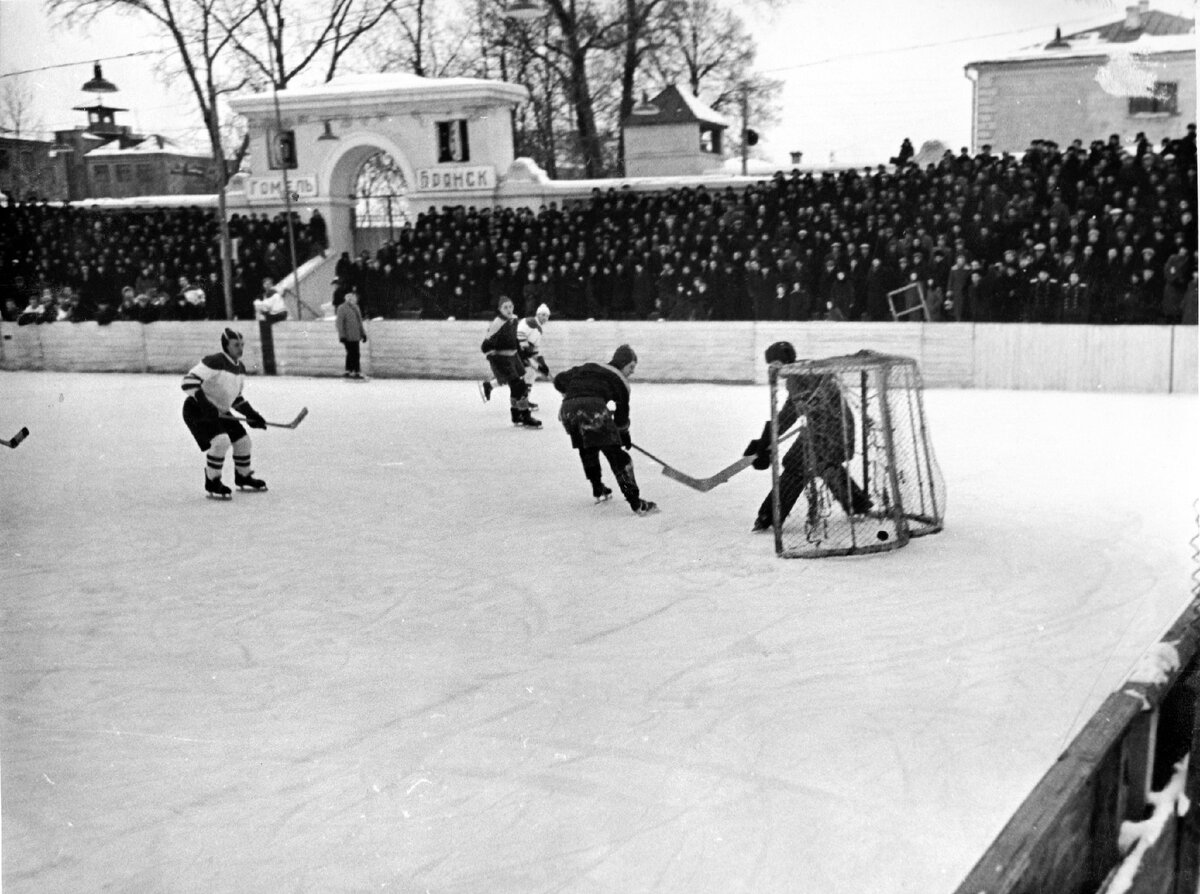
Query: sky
860, 75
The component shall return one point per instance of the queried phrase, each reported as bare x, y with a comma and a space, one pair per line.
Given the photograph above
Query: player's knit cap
621, 356
781, 352
542, 311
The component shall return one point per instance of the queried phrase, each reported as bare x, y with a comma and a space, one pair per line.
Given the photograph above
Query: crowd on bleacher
73, 263
1103, 233
1098, 234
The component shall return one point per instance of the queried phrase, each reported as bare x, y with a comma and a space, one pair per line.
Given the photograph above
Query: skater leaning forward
594, 429
214, 388
503, 353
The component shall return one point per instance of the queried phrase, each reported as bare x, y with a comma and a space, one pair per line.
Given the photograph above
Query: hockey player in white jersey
214, 388
529, 346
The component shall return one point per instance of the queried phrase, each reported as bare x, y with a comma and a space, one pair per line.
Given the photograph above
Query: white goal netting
853, 469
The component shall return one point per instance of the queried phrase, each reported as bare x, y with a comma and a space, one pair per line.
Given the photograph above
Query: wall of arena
1137, 359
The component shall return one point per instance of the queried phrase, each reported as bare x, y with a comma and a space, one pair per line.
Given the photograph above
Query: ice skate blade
221, 497
604, 499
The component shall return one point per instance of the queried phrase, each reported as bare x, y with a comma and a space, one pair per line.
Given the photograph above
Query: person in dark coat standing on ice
351, 333
587, 391
214, 388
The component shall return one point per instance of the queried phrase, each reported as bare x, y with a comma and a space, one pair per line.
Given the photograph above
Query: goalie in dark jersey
587, 391
821, 450
214, 388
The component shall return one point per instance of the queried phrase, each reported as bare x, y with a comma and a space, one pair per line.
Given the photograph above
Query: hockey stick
16, 439
704, 485
299, 418
671, 472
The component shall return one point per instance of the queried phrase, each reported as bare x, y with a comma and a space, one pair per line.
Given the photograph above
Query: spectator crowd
74, 263
1102, 233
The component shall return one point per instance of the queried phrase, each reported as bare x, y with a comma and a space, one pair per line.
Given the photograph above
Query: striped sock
214, 466
241, 464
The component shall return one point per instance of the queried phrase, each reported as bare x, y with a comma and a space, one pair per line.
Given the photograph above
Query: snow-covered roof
152, 145
347, 92
676, 106
1157, 32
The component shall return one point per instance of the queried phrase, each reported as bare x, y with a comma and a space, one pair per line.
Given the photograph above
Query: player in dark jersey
820, 451
503, 353
214, 388
594, 429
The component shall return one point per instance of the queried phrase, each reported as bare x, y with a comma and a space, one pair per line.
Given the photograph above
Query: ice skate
215, 490
645, 507
485, 391
526, 420
248, 481
761, 525
600, 493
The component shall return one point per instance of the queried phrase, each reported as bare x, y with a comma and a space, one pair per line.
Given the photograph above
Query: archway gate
451, 139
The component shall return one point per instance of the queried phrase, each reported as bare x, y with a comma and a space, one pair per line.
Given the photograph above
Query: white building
1134, 74
681, 137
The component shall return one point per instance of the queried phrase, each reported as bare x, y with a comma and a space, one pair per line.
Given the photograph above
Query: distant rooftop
1142, 30
677, 106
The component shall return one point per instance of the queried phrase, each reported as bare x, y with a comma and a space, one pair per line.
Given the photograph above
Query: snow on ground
425, 661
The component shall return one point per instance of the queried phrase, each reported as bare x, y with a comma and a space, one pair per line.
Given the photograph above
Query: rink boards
1140, 359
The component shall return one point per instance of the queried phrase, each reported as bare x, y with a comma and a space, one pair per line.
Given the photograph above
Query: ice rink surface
424, 661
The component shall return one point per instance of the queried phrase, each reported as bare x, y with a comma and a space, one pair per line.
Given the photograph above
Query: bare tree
583, 31
16, 108
647, 25
276, 50
426, 39
17, 119
708, 48
200, 32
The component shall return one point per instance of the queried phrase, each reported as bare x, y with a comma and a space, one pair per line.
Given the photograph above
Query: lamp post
287, 190
522, 12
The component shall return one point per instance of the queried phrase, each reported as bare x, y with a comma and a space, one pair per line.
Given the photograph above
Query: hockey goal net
853, 470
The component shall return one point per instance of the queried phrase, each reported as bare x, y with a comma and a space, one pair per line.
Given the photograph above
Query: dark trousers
352, 356
620, 463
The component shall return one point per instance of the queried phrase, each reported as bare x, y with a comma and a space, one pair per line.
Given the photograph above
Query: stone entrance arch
451, 137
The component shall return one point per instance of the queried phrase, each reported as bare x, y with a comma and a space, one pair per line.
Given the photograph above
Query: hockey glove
543, 368
486, 346
760, 449
626, 439
253, 417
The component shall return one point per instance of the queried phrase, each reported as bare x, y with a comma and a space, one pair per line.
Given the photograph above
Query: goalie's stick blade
16, 439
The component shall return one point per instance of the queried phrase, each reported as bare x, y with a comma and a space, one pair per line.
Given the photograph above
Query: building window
4, 160
1163, 101
145, 173
122, 173
452, 141
710, 141
100, 172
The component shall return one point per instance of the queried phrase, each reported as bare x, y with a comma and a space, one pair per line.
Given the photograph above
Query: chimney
1133, 17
